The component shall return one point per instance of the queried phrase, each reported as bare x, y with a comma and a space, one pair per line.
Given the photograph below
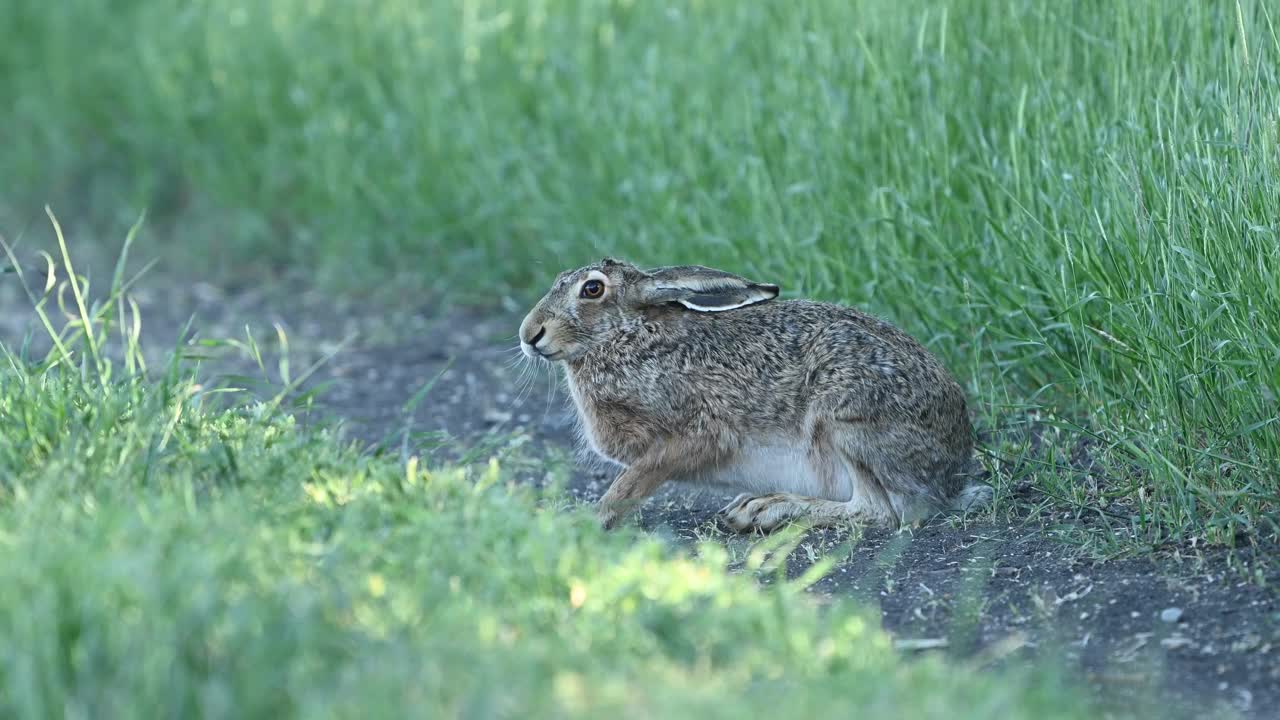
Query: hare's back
841, 349
807, 326
818, 345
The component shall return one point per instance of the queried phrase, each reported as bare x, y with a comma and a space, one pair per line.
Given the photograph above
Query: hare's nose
541, 331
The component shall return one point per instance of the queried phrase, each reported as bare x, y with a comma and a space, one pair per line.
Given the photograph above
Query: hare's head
585, 307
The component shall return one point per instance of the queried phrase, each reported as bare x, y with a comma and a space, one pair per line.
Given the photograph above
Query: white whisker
551, 379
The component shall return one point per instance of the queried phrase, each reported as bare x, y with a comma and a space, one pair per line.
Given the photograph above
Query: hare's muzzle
529, 339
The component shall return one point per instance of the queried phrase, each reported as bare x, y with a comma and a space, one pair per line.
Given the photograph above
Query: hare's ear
702, 288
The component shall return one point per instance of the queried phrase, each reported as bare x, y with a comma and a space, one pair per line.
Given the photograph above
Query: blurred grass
166, 554
1075, 203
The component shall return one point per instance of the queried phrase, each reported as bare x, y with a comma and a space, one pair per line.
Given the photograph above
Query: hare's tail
974, 497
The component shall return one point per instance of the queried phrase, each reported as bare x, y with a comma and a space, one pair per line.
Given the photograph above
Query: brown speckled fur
671, 393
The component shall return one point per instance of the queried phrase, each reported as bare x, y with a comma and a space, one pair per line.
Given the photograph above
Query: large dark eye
592, 289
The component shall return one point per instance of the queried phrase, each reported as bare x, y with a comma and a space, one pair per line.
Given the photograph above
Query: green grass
1075, 203
167, 553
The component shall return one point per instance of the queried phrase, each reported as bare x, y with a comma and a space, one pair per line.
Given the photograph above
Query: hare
693, 375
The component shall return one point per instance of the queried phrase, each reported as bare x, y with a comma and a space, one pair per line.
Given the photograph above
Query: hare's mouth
535, 353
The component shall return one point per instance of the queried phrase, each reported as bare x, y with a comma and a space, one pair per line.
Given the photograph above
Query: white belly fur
772, 468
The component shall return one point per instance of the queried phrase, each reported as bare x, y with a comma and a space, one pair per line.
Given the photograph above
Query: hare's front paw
611, 515
760, 512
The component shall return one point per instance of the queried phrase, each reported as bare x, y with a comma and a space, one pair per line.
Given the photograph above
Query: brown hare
694, 375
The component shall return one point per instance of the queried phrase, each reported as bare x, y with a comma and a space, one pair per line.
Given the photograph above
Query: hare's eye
592, 289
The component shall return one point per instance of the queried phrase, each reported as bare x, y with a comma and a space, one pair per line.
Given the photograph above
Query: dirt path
1191, 633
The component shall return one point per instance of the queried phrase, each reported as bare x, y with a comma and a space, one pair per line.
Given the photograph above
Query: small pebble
497, 417
1171, 615
1249, 642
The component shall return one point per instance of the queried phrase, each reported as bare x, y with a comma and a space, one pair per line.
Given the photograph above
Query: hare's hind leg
768, 512
852, 494
916, 474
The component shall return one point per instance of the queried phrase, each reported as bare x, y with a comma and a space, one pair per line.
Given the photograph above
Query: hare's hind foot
974, 497
765, 513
